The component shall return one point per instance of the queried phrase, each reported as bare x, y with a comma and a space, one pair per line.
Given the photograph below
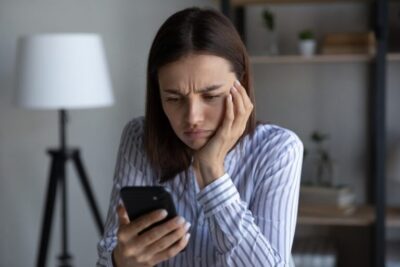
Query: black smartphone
140, 200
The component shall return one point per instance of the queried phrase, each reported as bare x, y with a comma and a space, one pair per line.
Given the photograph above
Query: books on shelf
349, 43
342, 197
324, 211
392, 254
314, 253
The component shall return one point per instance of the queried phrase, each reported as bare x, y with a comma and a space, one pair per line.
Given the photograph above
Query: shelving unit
374, 215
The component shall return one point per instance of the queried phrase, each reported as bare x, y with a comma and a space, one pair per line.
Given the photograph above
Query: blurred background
322, 95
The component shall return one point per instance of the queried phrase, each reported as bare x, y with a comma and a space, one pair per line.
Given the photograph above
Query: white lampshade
62, 71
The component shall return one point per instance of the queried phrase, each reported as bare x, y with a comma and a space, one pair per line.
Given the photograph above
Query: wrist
211, 172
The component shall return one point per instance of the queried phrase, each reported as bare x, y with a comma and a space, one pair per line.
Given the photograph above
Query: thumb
122, 215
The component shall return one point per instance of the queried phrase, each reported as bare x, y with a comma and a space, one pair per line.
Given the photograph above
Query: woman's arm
260, 234
109, 239
121, 238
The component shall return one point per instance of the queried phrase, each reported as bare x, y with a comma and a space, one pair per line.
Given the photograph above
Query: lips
197, 133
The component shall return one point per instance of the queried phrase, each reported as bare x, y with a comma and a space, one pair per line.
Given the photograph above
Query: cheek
173, 116
217, 112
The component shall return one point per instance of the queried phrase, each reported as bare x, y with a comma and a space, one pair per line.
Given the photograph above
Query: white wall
128, 28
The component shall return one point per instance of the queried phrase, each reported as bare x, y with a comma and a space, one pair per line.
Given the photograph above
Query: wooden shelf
393, 57
254, 2
358, 216
393, 217
325, 215
287, 59
298, 59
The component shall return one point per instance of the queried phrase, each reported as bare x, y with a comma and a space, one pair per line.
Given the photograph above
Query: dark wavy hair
189, 31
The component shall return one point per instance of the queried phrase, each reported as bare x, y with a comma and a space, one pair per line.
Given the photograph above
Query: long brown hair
190, 31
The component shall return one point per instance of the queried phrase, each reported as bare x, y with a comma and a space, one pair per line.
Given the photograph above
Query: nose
194, 113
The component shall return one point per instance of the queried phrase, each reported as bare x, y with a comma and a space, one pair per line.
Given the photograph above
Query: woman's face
193, 93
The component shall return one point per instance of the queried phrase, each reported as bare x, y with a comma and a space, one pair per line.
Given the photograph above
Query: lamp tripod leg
88, 192
65, 257
49, 210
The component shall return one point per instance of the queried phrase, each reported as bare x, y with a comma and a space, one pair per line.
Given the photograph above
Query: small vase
307, 47
271, 43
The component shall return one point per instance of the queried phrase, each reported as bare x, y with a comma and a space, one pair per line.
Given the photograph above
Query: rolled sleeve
105, 260
217, 195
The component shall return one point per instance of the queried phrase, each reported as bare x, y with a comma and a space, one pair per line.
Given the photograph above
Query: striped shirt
247, 217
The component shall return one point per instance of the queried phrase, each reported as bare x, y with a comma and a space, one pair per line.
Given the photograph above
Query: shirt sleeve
109, 240
259, 233
125, 174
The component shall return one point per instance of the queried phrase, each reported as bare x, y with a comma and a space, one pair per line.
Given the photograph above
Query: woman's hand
210, 158
153, 246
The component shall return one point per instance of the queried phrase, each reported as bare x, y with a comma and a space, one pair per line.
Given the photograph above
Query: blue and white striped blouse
247, 217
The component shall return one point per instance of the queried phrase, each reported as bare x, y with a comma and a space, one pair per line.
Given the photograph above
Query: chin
195, 145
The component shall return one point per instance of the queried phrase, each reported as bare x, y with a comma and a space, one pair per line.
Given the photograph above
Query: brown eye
211, 97
172, 99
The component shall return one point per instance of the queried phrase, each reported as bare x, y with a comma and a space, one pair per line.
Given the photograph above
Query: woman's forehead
199, 70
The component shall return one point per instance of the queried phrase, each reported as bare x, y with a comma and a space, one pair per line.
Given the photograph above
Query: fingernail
233, 89
187, 236
237, 83
163, 213
230, 97
180, 220
187, 226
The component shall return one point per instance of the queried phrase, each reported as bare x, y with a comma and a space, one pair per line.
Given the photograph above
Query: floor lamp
61, 72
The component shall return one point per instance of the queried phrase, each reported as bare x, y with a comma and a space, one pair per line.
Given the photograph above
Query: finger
246, 99
229, 115
122, 215
141, 223
171, 251
158, 232
238, 105
168, 240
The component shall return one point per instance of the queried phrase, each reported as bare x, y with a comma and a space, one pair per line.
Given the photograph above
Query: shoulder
273, 141
132, 136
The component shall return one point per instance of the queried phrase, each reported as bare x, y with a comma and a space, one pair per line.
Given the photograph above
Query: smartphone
141, 200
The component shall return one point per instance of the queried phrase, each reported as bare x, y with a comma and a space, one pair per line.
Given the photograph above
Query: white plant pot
307, 47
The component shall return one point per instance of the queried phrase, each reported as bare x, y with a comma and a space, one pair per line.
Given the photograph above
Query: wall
127, 28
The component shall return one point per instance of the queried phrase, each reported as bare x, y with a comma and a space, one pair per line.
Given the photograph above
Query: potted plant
307, 43
271, 43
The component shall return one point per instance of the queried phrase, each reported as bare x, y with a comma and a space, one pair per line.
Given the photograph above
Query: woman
235, 184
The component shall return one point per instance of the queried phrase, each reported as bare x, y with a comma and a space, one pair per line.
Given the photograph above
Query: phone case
141, 200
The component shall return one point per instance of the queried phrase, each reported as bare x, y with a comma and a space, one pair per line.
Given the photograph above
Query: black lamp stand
57, 181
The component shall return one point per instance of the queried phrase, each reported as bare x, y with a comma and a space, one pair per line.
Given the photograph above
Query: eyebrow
201, 90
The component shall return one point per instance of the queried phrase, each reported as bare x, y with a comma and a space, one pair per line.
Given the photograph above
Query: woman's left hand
210, 158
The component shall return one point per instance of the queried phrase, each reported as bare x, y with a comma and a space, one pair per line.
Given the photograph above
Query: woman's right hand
153, 246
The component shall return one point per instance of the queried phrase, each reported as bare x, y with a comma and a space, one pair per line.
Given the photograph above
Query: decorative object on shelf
271, 43
349, 43
307, 43
322, 190
62, 71
323, 160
